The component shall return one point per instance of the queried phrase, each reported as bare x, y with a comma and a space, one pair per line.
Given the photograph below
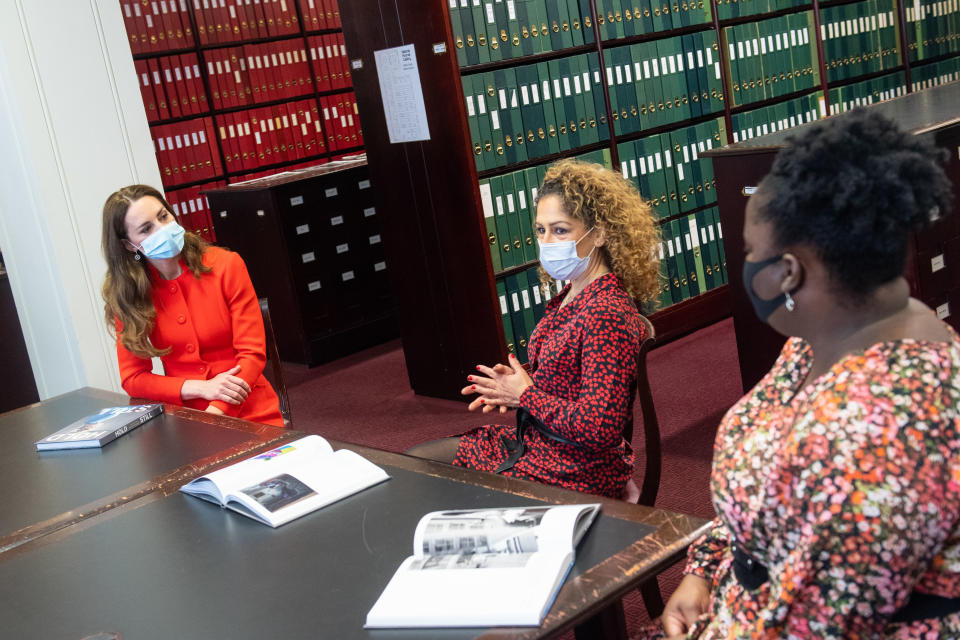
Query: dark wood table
49, 490
163, 564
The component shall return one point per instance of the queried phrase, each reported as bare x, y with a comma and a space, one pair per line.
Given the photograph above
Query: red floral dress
583, 361
847, 489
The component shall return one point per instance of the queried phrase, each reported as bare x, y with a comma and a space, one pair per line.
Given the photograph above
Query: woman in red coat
171, 295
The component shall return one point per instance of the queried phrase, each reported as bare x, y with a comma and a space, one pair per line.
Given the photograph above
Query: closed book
102, 427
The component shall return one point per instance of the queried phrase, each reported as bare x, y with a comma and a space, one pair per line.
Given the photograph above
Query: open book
287, 482
483, 567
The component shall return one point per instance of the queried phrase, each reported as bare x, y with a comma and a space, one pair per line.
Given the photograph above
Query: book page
520, 530
248, 473
310, 483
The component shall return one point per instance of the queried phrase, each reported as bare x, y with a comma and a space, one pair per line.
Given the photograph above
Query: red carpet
365, 398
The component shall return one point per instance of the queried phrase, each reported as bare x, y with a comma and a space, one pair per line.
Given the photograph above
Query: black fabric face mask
763, 308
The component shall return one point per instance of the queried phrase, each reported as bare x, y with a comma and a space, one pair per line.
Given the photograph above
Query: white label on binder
331, 192
363, 184
486, 200
313, 286
710, 233
380, 266
369, 211
694, 237
526, 299
347, 275
296, 200
308, 257
343, 248
302, 229
503, 306
936, 263
374, 239
334, 221
495, 120
943, 311
536, 294
680, 171
515, 300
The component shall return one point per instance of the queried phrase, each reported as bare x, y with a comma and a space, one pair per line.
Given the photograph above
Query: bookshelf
237, 90
646, 87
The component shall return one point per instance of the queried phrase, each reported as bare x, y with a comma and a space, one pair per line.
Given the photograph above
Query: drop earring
136, 256
790, 304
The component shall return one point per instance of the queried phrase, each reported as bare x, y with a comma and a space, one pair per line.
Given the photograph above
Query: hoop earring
791, 304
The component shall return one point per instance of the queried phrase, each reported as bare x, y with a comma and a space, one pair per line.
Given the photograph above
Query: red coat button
181, 319
191, 348
173, 288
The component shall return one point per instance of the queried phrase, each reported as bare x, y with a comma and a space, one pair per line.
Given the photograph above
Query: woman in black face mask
836, 479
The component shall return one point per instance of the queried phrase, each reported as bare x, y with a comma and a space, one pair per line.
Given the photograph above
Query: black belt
515, 447
751, 574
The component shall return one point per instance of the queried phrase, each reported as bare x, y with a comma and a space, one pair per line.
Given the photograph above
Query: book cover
102, 427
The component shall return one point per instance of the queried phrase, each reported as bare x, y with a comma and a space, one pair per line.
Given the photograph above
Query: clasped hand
226, 387
499, 388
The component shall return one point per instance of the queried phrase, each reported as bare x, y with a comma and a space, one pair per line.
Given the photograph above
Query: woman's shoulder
218, 258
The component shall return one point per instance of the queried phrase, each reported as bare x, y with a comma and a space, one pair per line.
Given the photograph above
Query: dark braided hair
853, 187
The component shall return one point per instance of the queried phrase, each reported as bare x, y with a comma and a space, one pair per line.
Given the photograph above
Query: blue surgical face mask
165, 242
560, 259
763, 308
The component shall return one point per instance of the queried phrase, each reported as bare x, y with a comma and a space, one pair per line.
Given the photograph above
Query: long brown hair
598, 196
127, 292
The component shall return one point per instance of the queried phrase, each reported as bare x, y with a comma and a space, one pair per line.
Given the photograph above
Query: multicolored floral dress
583, 361
847, 490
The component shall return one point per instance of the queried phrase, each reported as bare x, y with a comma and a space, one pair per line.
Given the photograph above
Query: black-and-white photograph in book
484, 531
278, 492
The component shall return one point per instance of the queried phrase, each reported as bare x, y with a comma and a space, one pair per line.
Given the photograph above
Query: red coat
212, 323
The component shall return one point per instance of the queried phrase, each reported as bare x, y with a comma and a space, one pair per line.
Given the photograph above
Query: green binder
489, 220
459, 41
505, 316
508, 257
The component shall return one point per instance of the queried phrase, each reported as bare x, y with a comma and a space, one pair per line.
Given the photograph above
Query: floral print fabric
847, 488
583, 361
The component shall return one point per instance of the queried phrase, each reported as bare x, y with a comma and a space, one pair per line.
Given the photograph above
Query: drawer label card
334, 221
936, 263
331, 192
343, 248
375, 239
308, 257
347, 275
302, 229
313, 286
223, 214
363, 184
943, 311
296, 200
380, 266
370, 211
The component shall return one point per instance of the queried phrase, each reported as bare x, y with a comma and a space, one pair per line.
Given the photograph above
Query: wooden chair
272, 371
647, 495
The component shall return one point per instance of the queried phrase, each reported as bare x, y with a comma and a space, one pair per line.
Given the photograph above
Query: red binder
146, 90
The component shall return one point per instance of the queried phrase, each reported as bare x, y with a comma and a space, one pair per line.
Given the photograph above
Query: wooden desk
168, 565
49, 490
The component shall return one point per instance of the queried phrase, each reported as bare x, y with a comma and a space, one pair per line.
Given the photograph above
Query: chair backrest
651, 426
273, 371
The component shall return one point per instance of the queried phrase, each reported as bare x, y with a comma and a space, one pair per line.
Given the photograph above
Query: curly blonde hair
599, 197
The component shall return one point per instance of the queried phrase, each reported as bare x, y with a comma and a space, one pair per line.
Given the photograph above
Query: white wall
72, 130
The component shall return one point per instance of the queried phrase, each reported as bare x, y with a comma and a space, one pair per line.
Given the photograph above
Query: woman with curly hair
836, 479
595, 231
170, 295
